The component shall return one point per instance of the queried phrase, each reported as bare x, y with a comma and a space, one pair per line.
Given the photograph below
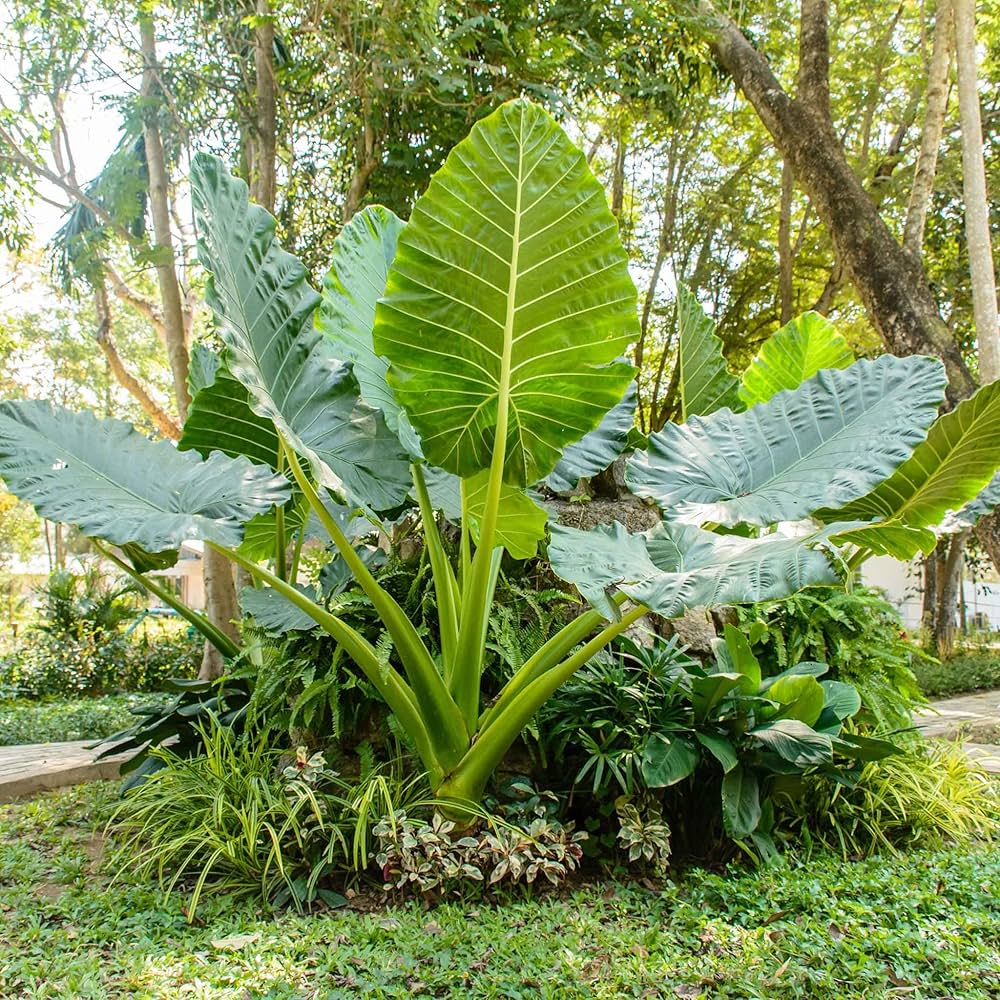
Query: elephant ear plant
460, 359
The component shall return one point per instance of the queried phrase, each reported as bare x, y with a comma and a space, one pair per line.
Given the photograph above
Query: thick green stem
443, 719
392, 688
468, 780
445, 586
543, 659
222, 642
293, 571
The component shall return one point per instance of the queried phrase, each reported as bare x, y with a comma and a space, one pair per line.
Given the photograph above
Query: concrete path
35, 767
959, 718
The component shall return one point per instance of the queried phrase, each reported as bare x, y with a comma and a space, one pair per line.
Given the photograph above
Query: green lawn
921, 926
73, 719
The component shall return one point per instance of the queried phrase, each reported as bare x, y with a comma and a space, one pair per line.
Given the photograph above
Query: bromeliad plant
460, 359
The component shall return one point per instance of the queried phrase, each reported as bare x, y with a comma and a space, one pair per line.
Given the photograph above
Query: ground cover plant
924, 925
965, 672
450, 365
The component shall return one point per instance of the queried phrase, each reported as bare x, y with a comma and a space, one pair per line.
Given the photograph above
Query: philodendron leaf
362, 256
265, 309
706, 384
668, 759
509, 301
220, 419
952, 466
795, 742
799, 350
673, 567
595, 451
275, 612
520, 521
828, 442
740, 802
113, 483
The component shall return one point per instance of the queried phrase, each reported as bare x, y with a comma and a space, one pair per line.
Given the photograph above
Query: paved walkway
953, 718
34, 767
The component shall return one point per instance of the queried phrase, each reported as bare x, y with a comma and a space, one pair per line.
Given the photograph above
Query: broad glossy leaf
220, 419
595, 451
673, 567
720, 747
901, 541
864, 748
509, 298
708, 691
706, 384
800, 349
805, 668
667, 760
739, 657
841, 699
740, 802
985, 502
953, 466
795, 742
520, 521
362, 256
800, 697
113, 483
828, 442
265, 308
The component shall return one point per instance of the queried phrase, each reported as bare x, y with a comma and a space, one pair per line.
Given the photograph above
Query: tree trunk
159, 206
618, 175
928, 613
930, 138
222, 607
785, 276
264, 186
977, 223
162, 421
891, 284
949, 582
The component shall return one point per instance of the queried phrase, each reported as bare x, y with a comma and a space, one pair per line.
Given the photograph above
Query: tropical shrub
719, 736
857, 633
930, 795
87, 604
451, 364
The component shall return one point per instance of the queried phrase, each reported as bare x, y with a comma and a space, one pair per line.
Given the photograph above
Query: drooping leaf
220, 419
901, 541
667, 760
673, 567
147, 562
362, 255
275, 612
265, 309
720, 747
795, 742
841, 699
864, 748
520, 521
111, 482
800, 349
740, 802
595, 451
509, 300
952, 466
836, 436
706, 384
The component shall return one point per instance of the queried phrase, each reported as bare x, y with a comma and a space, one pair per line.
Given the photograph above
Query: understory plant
450, 365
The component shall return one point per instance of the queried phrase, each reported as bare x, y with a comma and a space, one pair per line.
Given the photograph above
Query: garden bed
927, 924
60, 720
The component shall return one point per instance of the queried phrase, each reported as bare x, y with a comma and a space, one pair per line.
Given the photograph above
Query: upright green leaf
362, 256
740, 802
667, 759
220, 419
953, 465
800, 349
265, 308
509, 301
673, 567
706, 384
828, 442
113, 483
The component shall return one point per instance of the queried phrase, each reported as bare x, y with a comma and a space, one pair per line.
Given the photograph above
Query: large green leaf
984, 502
795, 742
265, 307
362, 256
952, 466
673, 567
800, 349
509, 300
741, 810
113, 483
520, 521
706, 384
826, 443
274, 612
220, 419
595, 451
668, 759
799, 697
